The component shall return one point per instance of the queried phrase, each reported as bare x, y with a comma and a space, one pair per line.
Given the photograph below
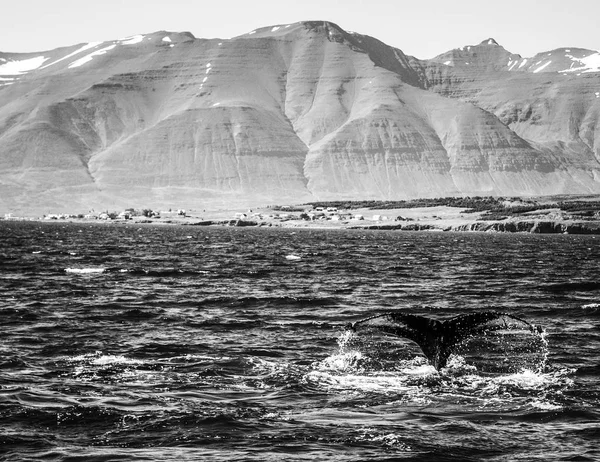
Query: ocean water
123, 342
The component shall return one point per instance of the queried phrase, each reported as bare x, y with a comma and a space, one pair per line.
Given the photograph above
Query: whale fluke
438, 339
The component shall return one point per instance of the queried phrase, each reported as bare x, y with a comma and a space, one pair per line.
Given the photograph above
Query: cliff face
551, 100
287, 113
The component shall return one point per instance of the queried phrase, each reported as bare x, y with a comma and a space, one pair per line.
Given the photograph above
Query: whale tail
437, 339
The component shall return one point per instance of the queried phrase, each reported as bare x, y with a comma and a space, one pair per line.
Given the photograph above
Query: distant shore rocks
535, 227
405, 227
239, 223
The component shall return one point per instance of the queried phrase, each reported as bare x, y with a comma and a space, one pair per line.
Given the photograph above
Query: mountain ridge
292, 112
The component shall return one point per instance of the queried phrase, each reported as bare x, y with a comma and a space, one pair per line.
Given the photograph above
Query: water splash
362, 366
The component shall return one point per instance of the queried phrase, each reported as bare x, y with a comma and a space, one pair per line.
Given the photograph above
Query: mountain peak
489, 41
486, 55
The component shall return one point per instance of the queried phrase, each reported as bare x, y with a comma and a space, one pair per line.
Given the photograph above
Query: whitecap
545, 405
85, 270
100, 359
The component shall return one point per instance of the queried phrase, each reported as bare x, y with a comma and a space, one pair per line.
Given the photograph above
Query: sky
421, 28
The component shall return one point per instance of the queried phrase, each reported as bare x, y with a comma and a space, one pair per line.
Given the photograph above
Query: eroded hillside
294, 113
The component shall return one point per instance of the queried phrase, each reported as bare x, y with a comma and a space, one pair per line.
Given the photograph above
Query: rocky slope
290, 113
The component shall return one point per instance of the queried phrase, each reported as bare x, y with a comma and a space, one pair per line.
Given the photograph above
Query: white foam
22, 67
541, 68
132, 40
103, 360
166, 39
88, 58
85, 270
526, 379
83, 48
545, 405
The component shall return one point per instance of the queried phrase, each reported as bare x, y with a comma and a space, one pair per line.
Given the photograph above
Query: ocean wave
161, 272
284, 300
579, 286
100, 359
85, 270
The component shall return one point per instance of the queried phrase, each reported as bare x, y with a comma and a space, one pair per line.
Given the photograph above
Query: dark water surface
184, 343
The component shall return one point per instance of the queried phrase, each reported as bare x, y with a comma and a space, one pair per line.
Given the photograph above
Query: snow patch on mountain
22, 66
88, 58
166, 39
83, 48
132, 40
4, 81
590, 63
542, 67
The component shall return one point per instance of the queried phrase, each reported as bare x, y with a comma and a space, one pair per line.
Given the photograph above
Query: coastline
432, 219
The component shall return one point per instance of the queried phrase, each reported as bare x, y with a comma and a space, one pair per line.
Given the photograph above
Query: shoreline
431, 219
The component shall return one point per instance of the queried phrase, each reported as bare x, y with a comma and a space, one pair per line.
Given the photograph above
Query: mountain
290, 113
